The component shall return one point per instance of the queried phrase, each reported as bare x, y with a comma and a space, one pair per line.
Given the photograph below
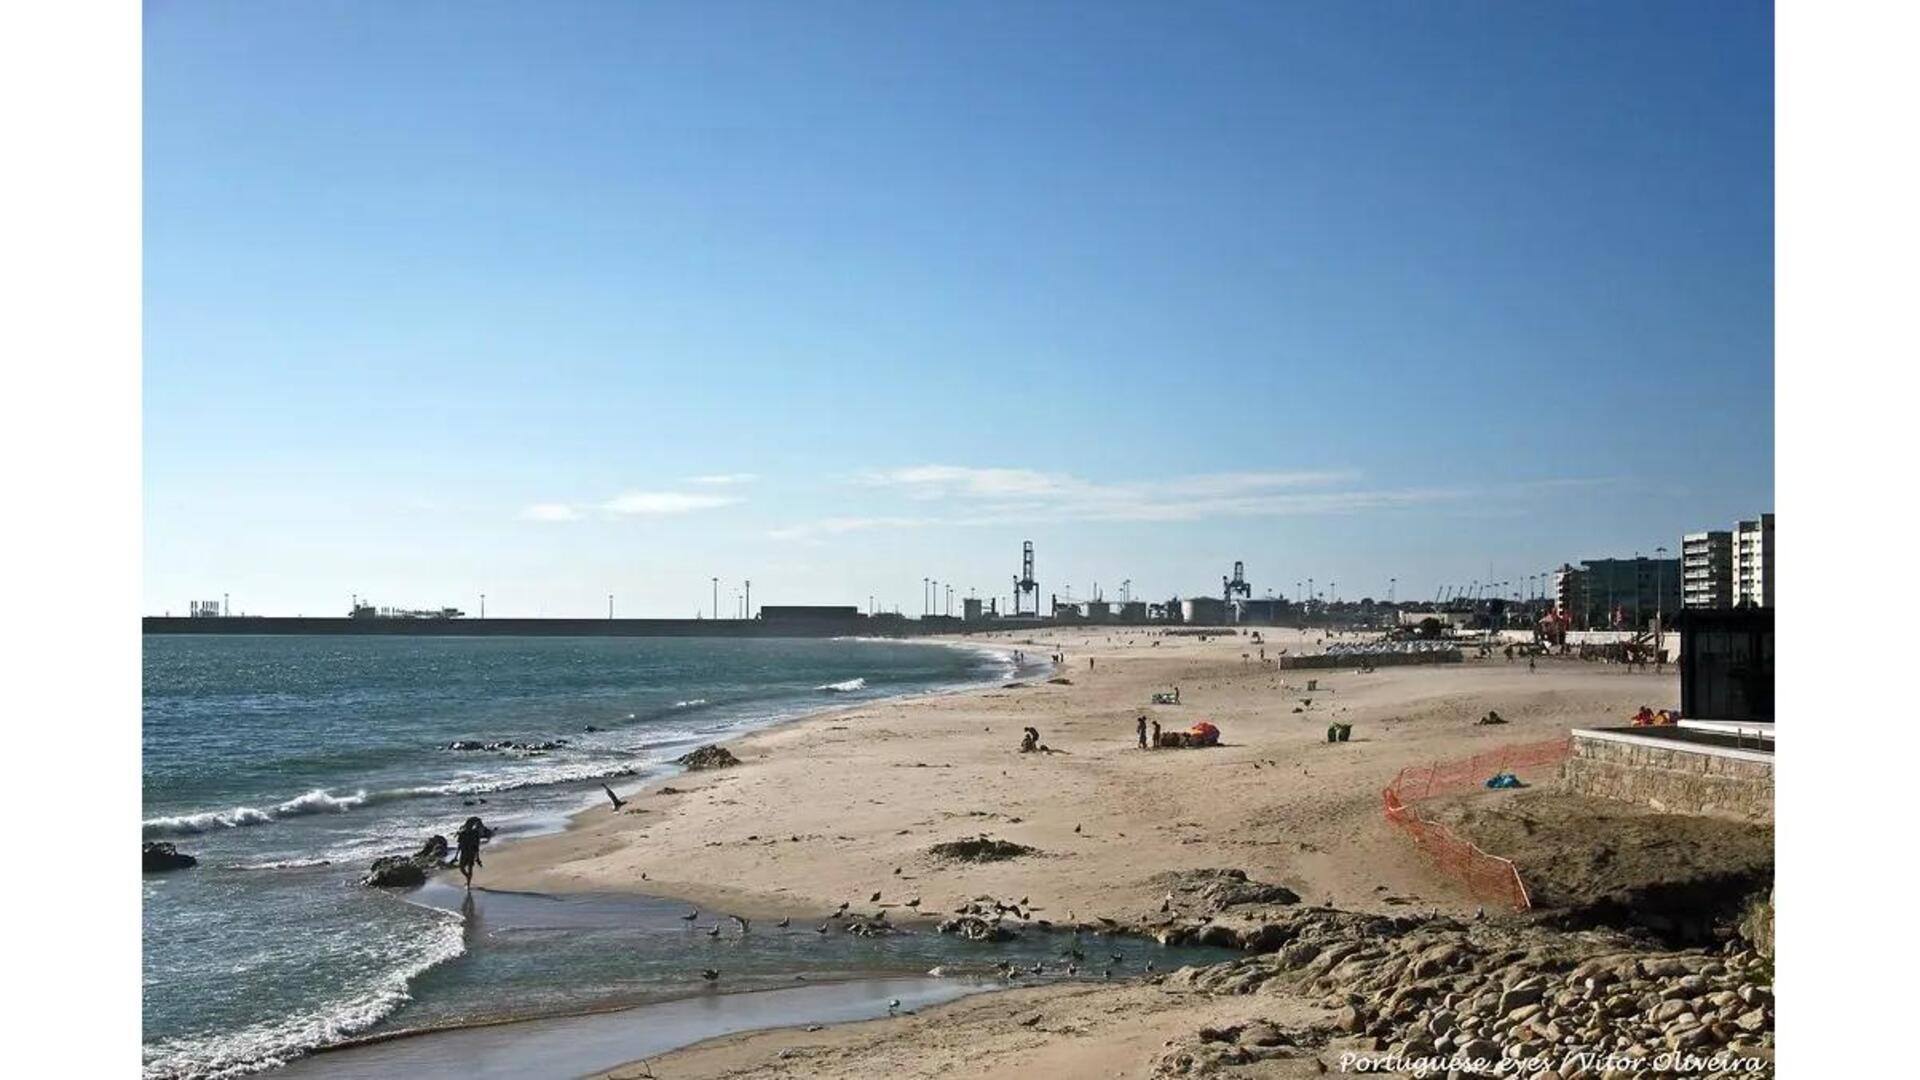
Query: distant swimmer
618, 802
468, 841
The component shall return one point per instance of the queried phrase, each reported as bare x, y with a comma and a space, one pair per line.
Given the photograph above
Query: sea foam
843, 687
272, 1043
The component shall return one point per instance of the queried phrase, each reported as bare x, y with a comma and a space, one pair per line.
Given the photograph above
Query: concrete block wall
1671, 778
1330, 660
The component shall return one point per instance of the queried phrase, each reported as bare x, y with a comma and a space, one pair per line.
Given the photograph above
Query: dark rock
408, 871
1211, 890
708, 757
156, 856
976, 928
979, 849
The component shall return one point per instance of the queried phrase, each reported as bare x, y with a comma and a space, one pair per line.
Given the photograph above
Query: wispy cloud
996, 495
1031, 493
663, 503
724, 478
550, 512
631, 504
837, 526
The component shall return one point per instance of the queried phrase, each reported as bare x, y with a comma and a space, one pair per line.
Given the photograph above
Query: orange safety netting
1487, 876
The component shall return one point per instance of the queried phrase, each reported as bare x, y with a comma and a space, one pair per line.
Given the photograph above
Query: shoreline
822, 712
834, 803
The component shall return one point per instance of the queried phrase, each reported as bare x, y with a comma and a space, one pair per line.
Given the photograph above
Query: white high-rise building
1706, 569
1753, 562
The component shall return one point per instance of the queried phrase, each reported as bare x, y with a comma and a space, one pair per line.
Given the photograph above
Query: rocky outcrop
408, 871
708, 757
984, 918
1434, 986
504, 745
1213, 891
157, 856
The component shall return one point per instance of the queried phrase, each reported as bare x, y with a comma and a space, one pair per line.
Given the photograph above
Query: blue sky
554, 300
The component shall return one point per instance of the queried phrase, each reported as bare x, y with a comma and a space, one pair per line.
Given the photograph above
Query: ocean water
286, 764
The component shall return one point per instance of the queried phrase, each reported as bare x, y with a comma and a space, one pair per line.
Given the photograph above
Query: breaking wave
283, 864
689, 704
272, 1043
843, 687
206, 821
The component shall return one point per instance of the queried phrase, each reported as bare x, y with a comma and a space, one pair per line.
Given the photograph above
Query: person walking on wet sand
1530, 667
1156, 734
467, 841
1140, 729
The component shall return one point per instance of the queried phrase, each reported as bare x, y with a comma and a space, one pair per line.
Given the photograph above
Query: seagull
843, 905
875, 898
691, 915
914, 903
618, 802
1076, 829
714, 930
1149, 965
896, 871
821, 929
709, 974
743, 923
893, 1006
784, 920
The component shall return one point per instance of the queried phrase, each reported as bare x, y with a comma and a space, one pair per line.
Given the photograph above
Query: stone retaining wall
1678, 778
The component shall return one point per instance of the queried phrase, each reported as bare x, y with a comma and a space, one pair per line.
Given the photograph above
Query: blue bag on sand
1505, 780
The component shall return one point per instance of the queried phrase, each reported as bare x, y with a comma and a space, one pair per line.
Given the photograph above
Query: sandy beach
828, 808
836, 807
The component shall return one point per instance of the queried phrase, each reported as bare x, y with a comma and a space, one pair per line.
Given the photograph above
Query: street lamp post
716, 598
1659, 595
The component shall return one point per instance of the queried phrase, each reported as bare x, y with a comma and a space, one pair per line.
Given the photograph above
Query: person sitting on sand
1030, 741
468, 841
